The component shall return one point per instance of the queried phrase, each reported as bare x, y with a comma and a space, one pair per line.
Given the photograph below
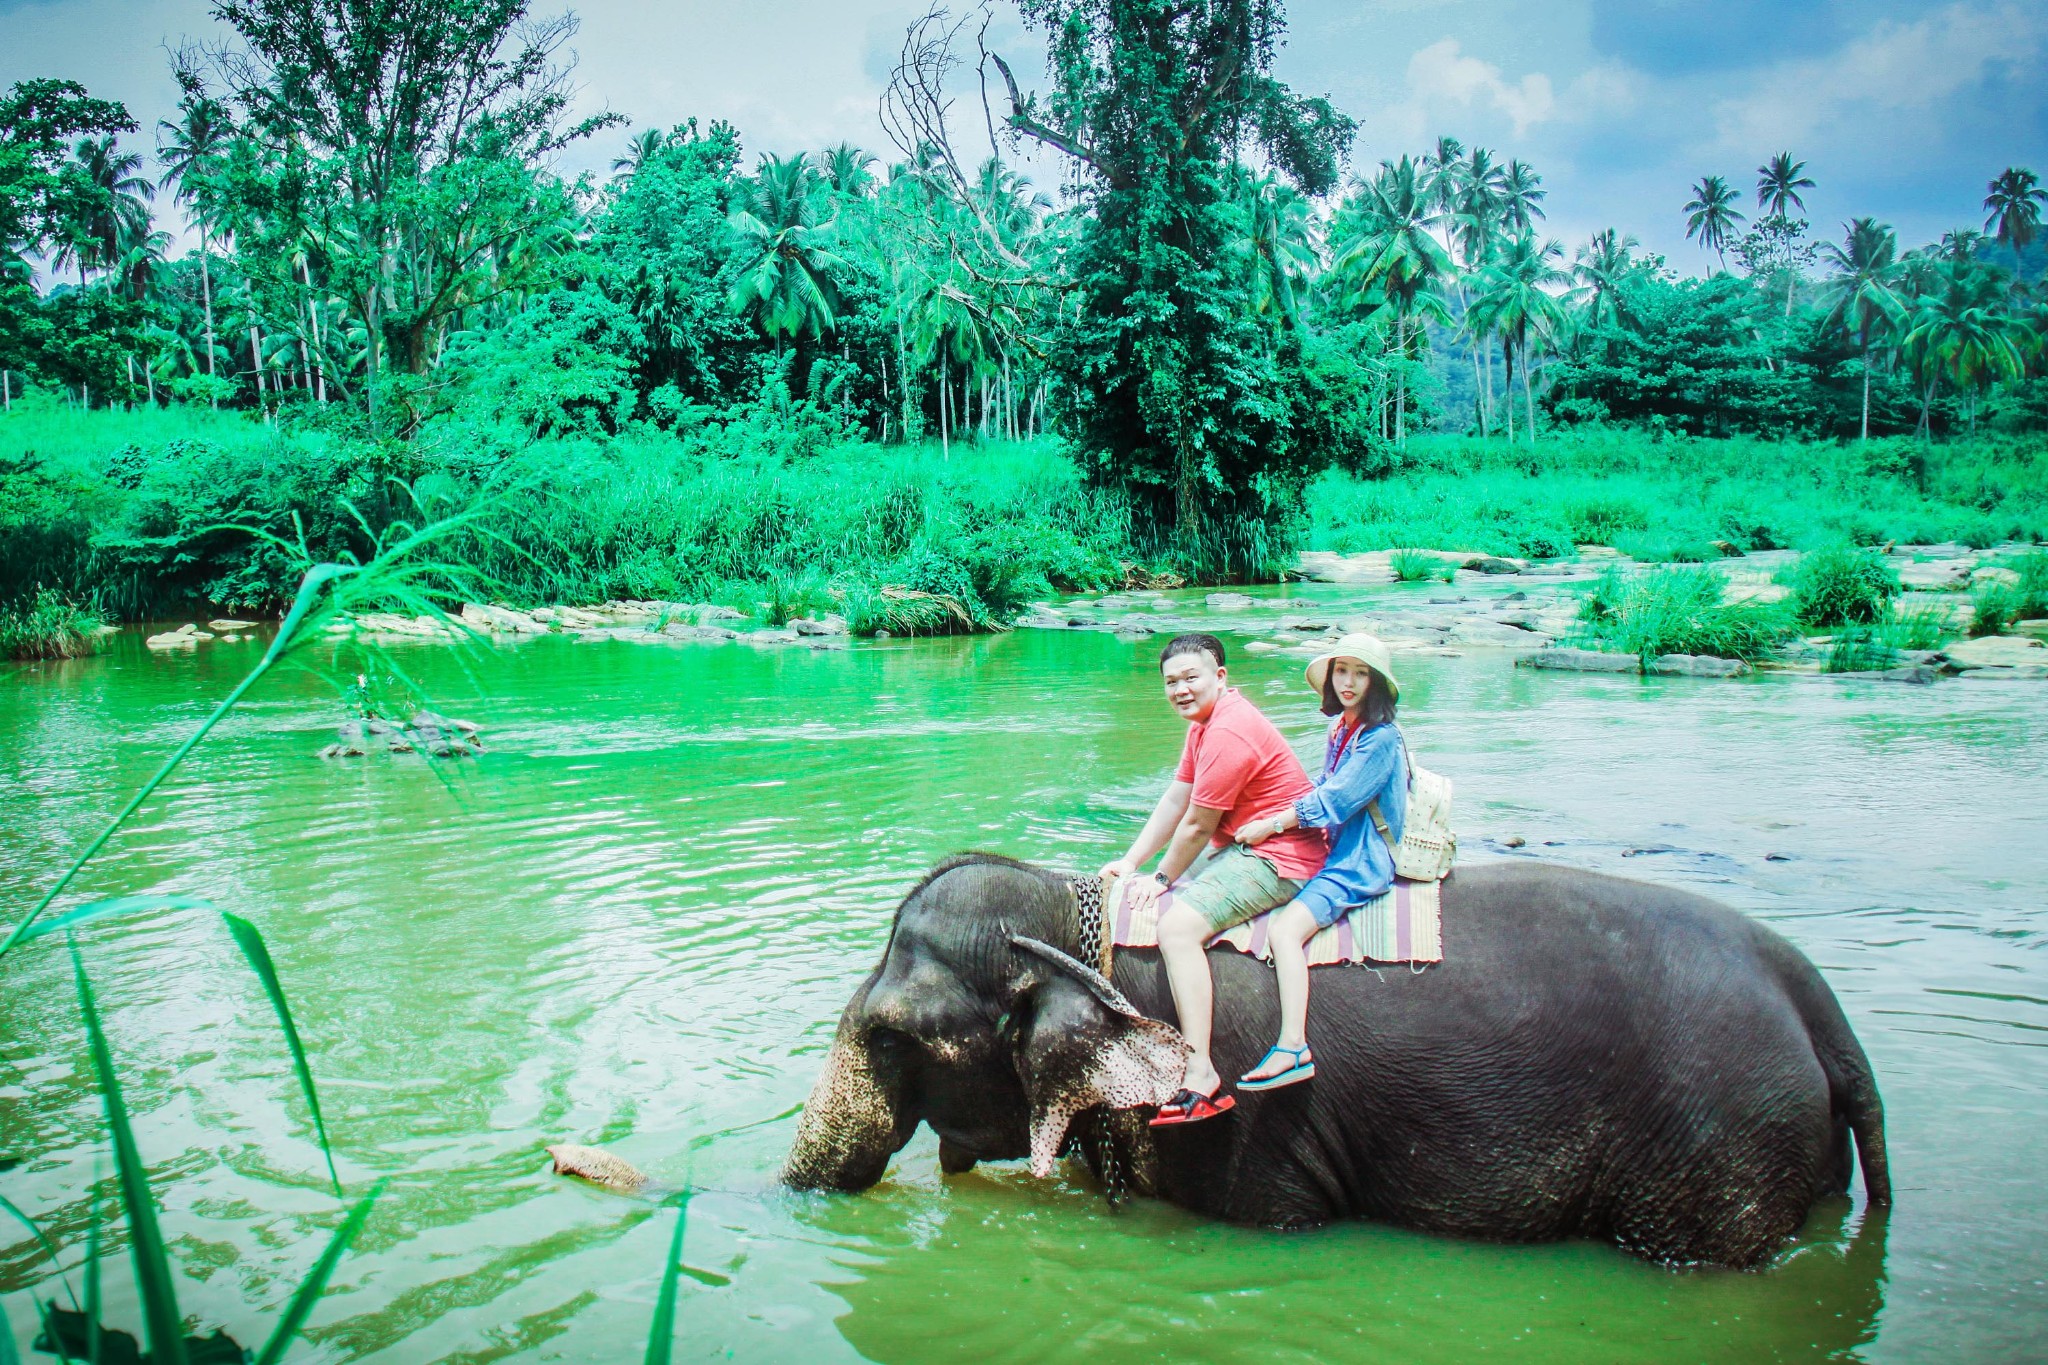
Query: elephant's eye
889, 1042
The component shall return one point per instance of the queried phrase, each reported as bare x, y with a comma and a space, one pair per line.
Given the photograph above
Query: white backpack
1427, 846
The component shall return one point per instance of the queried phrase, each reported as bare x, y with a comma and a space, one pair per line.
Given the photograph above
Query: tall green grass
1672, 497
1416, 566
401, 574
1839, 585
48, 626
1677, 611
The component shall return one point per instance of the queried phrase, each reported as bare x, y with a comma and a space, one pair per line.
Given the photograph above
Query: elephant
1594, 1057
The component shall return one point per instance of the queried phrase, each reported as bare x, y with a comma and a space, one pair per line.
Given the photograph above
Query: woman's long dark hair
1378, 708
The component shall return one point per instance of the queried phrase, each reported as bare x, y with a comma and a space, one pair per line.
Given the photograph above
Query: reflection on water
635, 921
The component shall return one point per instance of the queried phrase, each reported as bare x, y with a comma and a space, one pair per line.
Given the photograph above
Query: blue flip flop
1300, 1071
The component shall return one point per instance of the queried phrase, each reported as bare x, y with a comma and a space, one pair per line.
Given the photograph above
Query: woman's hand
1122, 867
1265, 827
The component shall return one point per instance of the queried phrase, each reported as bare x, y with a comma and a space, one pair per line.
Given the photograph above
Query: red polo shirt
1239, 764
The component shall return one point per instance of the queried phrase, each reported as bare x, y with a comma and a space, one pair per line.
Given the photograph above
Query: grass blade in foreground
49, 1248
160, 1317
250, 940
301, 1306
8, 1354
661, 1333
117, 905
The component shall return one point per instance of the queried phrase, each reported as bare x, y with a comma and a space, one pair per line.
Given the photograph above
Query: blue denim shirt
1371, 766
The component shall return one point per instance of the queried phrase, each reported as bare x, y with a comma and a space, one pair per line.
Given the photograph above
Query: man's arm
1166, 817
1190, 837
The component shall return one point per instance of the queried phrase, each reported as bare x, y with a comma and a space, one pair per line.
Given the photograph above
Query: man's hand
1143, 892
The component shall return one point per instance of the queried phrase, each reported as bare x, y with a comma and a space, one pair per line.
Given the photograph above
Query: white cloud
1443, 74
1900, 74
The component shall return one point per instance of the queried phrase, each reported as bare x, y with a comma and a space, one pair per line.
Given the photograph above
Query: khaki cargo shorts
1237, 885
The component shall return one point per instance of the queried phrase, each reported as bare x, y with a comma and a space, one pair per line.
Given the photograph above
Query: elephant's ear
1086, 1045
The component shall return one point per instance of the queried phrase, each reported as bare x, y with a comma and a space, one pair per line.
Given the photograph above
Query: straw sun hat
1366, 649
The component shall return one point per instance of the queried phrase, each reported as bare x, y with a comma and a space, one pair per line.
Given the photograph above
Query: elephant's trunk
851, 1124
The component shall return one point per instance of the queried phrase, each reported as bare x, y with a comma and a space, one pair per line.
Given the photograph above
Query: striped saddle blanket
1401, 926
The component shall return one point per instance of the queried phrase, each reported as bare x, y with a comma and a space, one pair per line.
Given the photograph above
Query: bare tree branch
916, 113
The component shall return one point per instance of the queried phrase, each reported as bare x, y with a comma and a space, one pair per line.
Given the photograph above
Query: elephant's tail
1852, 1085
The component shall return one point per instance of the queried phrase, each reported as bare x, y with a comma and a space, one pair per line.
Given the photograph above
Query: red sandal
1188, 1107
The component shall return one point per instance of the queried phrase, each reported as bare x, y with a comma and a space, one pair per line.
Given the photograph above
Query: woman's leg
1182, 933
1291, 930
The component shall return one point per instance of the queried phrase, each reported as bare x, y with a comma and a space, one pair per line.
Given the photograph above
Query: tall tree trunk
1507, 357
1528, 395
256, 361
1866, 392
945, 397
206, 295
903, 373
1401, 381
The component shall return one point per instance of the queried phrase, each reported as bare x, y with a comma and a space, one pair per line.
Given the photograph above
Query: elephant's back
1662, 1048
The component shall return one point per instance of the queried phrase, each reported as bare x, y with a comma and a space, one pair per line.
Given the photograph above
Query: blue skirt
1331, 897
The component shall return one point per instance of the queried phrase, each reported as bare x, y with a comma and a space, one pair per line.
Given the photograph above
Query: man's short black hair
1195, 642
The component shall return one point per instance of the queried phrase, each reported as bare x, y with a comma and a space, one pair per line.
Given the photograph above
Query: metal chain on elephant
1090, 908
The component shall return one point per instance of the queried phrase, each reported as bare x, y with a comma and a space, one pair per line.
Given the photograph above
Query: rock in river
1580, 661
1997, 651
1698, 666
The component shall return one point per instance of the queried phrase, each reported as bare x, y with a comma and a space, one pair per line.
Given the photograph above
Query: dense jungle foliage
773, 376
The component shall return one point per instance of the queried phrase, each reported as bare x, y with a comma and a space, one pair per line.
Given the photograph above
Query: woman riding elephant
1593, 1057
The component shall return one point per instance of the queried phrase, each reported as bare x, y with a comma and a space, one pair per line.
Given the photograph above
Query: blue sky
1902, 111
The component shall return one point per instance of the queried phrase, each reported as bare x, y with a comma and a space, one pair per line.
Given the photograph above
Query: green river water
634, 922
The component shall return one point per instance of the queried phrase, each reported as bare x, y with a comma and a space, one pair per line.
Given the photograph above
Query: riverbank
154, 514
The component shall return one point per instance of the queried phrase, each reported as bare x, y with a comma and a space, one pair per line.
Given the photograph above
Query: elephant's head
978, 1025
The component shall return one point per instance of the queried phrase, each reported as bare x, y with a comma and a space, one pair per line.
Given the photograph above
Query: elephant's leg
955, 1160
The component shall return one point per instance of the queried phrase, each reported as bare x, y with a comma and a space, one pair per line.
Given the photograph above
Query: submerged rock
1229, 599
227, 623
1698, 666
830, 625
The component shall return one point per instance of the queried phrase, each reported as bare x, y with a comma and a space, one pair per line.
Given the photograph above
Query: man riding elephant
1234, 766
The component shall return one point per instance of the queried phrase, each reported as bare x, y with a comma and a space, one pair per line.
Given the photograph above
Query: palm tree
1961, 244
1444, 163
1860, 296
1389, 258
848, 170
1475, 222
1521, 199
1778, 182
788, 287
188, 149
1963, 332
1515, 299
1713, 216
1601, 265
2014, 205
640, 149
1280, 239
118, 212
